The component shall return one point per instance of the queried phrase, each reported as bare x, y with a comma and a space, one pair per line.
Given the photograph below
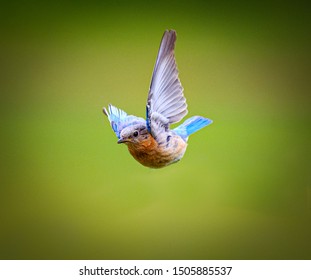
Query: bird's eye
135, 134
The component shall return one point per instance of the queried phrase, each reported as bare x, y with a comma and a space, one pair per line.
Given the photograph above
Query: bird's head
133, 134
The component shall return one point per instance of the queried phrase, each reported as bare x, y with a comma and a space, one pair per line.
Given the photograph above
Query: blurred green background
68, 191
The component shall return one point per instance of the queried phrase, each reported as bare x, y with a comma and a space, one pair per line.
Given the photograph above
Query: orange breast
149, 153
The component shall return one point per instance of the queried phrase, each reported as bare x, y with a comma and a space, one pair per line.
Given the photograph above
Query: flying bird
151, 141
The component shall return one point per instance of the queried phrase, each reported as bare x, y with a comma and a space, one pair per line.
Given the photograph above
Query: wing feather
119, 119
166, 92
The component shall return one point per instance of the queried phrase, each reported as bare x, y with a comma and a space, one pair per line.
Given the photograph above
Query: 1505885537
193, 270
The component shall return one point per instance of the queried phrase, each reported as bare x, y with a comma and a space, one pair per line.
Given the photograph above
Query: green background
68, 191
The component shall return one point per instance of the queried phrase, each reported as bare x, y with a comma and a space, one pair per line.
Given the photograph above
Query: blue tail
191, 125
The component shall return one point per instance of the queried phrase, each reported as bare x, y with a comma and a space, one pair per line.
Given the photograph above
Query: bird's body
153, 154
150, 141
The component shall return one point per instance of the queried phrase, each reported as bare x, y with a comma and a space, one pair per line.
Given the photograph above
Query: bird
151, 141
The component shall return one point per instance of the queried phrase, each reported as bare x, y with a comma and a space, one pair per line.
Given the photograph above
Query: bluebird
151, 142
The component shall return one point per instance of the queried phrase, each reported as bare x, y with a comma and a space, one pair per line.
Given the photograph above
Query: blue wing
166, 103
119, 119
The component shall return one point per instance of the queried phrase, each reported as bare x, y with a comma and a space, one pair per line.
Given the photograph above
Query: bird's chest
156, 155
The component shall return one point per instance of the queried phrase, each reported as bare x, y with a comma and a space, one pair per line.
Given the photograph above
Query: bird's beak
120, 141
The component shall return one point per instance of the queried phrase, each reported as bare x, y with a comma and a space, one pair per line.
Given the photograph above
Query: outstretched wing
166, 103
119, 119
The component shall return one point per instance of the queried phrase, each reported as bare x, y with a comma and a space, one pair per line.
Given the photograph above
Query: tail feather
191, 126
